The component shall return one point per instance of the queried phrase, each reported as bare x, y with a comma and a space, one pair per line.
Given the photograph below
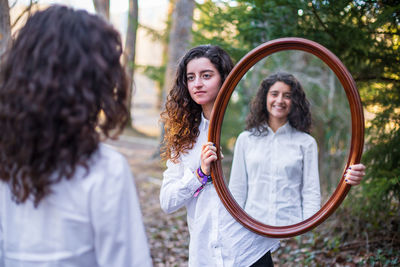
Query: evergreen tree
365, 35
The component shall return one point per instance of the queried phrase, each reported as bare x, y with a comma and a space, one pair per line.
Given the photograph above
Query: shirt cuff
190, 180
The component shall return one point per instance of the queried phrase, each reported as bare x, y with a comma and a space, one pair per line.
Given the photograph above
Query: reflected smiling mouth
279, 107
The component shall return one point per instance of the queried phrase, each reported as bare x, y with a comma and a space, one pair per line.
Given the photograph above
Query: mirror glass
266, 197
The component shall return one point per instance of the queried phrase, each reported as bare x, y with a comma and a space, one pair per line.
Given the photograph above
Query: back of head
62, 71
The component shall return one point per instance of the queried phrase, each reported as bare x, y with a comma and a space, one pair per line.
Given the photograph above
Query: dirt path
167, 234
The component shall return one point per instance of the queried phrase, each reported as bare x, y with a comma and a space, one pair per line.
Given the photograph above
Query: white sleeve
238, 179
119, 233
311, 194
178, 186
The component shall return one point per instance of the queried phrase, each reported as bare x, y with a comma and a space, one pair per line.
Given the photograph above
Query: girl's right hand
208, 155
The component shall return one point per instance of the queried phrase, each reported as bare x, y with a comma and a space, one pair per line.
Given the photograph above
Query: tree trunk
130, 48
5, 29
179, 38
102, 8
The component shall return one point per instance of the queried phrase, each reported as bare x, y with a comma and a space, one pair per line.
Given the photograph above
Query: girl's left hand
355, 174
208, 155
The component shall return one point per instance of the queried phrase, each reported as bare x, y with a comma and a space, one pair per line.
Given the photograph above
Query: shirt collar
286, 128
204, 123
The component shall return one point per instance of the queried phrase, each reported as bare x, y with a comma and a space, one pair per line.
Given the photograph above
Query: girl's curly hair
299, 116
182, 116
61, 86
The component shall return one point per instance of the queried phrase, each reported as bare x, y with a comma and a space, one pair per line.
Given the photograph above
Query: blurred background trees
5, 27
102, 8
364, 35
7, 24
130, 49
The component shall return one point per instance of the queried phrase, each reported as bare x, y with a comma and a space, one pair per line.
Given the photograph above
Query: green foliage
365, 35
381, 258
155, 35
382, 156
155, 73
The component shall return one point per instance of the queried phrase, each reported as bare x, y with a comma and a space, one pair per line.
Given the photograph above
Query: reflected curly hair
299, 116
182, 116
61, 87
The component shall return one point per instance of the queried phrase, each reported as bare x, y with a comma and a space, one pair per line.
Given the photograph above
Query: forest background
364, 35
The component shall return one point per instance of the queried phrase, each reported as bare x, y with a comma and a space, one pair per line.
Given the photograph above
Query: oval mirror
333, 98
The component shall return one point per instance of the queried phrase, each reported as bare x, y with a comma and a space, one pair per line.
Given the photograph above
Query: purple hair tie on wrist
205, 179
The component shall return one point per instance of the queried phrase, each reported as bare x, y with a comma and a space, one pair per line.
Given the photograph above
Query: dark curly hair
62, 86
182, 116
299, 116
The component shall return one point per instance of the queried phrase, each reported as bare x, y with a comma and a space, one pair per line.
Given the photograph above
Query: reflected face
279, 102
203, 80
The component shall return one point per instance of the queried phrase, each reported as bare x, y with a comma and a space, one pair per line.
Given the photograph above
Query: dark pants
264, 261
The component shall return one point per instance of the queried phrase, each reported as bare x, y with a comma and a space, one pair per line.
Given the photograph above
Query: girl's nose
198, 82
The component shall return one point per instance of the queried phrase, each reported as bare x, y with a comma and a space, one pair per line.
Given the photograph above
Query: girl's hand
355, 174
208, 155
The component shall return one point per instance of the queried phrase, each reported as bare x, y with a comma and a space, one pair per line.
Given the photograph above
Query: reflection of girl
274, 174
216, 239
65, 198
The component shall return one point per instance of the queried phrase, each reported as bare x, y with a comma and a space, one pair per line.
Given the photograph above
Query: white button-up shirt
216, 238
274, 177
91, 220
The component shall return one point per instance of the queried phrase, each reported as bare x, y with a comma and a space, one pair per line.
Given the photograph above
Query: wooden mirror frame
357, 137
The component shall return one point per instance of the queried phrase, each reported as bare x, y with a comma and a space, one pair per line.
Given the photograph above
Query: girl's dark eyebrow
206, 71
278, 91
203, 71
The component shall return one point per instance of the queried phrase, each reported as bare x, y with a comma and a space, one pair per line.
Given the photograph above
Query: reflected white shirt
92, 220
275, 176
216, 238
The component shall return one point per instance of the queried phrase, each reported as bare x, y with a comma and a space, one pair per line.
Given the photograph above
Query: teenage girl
66, 199
274, 175
216, 238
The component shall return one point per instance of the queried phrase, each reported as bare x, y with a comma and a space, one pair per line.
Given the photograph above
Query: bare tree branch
321, 22
13, 4
28, 10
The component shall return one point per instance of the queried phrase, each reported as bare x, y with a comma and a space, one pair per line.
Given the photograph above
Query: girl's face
279, 102
204, 82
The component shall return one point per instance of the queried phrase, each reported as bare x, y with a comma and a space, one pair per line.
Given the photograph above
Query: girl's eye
288, 96
190, 78
206, 76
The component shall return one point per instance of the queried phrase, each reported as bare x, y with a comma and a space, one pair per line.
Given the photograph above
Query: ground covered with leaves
342, 240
